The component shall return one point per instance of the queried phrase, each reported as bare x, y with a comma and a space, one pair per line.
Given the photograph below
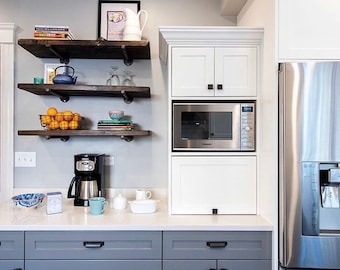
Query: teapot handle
146, 15
66, 68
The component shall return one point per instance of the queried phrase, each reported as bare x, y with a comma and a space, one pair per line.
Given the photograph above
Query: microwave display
201, 126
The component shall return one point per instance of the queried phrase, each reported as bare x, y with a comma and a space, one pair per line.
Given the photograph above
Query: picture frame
111, 19
49, 72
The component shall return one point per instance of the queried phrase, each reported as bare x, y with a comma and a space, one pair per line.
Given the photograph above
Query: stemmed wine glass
128, 80
114, 78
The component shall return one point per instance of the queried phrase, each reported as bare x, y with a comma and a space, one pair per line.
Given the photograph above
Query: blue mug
97, 205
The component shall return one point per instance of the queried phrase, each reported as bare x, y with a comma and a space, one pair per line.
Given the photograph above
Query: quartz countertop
13, 218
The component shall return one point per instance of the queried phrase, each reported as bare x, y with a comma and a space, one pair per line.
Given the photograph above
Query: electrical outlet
25, 159
109, 160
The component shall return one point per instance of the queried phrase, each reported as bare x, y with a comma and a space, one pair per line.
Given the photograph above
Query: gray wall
140, 163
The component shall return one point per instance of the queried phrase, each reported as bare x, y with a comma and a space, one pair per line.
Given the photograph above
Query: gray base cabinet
88, 250
209, 250
135, 250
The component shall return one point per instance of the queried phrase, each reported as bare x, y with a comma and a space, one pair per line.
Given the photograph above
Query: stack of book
122, 124
52, 32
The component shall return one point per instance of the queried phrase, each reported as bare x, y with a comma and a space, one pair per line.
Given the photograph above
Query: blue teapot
64, 78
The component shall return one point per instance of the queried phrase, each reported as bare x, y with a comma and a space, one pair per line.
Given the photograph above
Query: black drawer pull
217, 244
220, 87
210, 86
93, 244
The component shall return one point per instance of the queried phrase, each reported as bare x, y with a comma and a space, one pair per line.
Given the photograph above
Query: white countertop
79, 218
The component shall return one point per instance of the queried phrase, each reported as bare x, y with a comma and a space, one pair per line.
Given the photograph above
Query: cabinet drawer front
245, 264
217, 245
93, 245
189, 264
91, 265
11, 245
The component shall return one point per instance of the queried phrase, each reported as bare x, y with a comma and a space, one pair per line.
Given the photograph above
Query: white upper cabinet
308, 29
214, 62
214, 71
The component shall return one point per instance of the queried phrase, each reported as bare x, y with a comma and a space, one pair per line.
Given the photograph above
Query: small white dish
143, 206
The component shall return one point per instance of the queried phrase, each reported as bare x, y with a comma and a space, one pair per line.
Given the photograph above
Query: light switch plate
25, 159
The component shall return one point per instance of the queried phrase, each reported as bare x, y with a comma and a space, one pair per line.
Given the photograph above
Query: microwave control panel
248, 126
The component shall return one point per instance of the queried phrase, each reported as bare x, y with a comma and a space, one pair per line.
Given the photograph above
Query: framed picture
49, 72
111, 19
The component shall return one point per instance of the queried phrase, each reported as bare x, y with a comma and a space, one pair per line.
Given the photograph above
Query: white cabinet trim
7, 45
206, 36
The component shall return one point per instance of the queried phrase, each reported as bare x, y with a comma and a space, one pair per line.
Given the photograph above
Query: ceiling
232, 7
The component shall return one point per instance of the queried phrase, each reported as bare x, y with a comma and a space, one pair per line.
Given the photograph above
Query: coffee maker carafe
89, 178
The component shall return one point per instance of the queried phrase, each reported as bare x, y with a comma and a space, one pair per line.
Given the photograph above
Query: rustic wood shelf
64, 135
64, 91
87, 49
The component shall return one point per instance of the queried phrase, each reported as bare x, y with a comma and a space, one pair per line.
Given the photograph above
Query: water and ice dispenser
320, 197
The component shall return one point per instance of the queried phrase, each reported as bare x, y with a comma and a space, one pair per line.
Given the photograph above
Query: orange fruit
76, 117
73, 124
53, 125
45, 119
68, 115
59, 116
51, 111
63, 125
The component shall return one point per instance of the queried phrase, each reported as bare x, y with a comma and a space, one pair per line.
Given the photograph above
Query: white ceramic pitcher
133, 30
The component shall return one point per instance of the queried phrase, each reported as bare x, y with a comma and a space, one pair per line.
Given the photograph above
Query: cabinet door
308, 29
192, 72
201, 184
12, 264
245, 264
236, 72
91, 265
189, 264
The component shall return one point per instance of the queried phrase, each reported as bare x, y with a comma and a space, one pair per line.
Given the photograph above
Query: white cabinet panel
192, 71
308, 29
236, 71
201, 184
214, 71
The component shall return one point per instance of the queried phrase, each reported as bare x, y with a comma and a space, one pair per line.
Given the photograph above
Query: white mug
143, 194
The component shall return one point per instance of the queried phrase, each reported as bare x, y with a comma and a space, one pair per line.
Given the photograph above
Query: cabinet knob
220, 87
210, 86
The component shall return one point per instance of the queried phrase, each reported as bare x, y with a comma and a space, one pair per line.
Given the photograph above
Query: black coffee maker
89, 179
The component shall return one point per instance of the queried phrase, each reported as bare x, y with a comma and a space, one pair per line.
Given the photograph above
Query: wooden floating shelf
64, 91
87, 49
64, 135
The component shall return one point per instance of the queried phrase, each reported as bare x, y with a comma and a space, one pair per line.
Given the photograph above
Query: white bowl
143, 206
28, 200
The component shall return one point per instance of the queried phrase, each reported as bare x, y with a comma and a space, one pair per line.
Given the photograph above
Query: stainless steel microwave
213, 126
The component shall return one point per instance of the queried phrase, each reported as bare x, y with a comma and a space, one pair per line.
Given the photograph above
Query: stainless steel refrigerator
309, 165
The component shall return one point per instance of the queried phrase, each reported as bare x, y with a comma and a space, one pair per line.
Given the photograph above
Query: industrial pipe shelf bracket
62, 59
63, 98
127, 99
126, 138
127, 60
